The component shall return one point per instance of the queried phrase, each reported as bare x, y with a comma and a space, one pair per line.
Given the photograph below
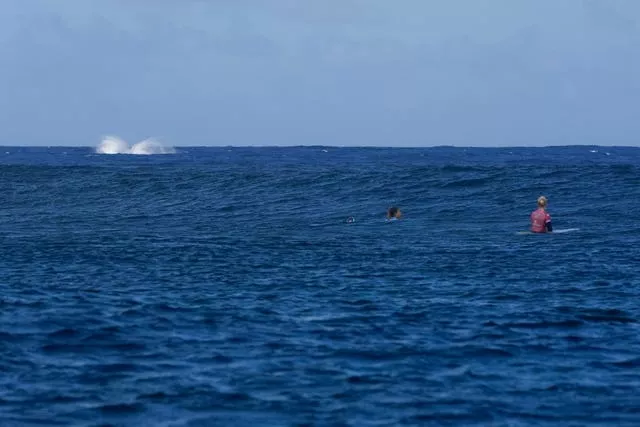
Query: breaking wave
116, 145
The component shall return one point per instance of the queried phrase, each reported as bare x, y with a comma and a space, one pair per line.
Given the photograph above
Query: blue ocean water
224, 286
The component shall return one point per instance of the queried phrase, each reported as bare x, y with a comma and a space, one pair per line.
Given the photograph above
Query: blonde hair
542, 202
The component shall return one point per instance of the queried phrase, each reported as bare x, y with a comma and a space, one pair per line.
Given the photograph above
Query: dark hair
393, 211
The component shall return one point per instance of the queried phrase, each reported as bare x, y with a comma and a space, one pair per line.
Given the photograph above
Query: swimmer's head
542, 202
394, 212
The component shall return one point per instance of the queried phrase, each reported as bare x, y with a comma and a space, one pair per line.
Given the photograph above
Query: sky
326, 72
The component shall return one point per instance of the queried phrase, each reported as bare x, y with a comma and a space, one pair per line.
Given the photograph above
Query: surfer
394, 213
540, 219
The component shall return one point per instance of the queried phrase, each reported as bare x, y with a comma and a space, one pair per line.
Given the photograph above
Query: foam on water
116, 145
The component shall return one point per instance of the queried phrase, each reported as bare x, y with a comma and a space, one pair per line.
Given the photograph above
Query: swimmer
540, 219
351, 220
394, 213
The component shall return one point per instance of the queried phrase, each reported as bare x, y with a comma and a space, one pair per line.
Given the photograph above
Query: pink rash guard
539, 220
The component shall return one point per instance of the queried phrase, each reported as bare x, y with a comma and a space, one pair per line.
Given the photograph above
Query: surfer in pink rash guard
540, 219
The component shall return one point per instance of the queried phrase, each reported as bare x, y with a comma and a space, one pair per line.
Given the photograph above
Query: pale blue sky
329, 72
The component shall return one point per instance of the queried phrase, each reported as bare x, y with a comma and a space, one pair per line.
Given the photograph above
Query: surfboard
558, 231
564, 230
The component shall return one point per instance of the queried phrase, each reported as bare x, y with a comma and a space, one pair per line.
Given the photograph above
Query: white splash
112, 145
115, 145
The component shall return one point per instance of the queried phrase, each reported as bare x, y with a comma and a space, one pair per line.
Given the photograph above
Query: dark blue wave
224, 286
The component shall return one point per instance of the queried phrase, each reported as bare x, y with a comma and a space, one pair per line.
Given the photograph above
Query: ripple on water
224, 287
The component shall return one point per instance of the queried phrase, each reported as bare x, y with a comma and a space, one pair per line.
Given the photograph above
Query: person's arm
547, 222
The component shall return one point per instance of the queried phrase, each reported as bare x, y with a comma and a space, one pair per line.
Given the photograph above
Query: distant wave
115, 145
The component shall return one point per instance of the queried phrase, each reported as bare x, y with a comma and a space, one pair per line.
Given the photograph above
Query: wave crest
116, 145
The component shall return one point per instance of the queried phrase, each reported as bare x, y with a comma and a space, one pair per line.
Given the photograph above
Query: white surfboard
558, 231
565, 230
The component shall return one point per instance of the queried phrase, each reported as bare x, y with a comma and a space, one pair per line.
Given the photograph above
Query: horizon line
342, 146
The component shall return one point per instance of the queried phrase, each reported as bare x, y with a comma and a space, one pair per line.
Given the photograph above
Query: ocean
226, 286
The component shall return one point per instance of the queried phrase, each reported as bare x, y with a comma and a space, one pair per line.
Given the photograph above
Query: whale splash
116, 145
